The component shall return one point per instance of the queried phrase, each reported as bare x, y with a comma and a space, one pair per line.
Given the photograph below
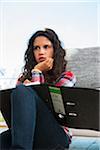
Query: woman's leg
48, 133
33, 123
23, 117
5, 140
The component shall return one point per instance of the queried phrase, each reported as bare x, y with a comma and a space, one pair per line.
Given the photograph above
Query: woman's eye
36, 47
46, 46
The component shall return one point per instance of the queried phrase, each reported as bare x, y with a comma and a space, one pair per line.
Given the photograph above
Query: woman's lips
42, 59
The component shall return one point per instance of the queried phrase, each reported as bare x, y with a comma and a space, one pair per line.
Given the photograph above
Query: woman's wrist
36, 70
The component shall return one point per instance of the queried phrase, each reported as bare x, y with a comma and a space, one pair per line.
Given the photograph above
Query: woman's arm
37, 78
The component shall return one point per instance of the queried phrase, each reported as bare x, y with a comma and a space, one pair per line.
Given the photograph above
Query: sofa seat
85, 143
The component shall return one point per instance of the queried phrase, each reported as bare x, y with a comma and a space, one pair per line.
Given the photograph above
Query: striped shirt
67, 79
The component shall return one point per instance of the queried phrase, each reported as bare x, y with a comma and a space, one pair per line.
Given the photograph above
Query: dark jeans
32, 124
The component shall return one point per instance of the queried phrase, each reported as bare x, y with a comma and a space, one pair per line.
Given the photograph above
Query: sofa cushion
85, 63
85, 132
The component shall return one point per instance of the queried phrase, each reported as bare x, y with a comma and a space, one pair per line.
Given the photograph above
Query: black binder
76, 107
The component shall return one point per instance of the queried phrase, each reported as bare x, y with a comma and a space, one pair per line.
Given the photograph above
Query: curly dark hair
59, 64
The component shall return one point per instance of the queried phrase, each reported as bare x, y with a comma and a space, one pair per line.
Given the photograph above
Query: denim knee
22, 94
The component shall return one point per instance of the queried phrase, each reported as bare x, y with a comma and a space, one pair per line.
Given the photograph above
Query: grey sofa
85, 63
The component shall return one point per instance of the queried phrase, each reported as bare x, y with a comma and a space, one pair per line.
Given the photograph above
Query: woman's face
43, 48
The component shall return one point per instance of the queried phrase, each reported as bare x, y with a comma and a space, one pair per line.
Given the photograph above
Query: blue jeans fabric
32, 124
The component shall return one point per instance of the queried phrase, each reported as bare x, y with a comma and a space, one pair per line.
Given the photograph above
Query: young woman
33, 125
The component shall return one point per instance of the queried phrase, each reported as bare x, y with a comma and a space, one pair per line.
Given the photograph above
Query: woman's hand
45, 65
26, 81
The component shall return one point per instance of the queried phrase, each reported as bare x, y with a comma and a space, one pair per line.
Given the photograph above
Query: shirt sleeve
67, 79
37, 77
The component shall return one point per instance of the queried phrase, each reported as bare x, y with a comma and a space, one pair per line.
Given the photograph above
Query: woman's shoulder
67, 78
70, 78
68, 74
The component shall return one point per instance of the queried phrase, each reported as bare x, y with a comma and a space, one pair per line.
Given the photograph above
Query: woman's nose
42, 50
